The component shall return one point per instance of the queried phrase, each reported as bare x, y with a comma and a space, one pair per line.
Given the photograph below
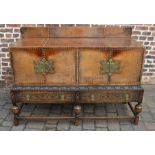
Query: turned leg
138, 109
13, 98
16, 111
77, 110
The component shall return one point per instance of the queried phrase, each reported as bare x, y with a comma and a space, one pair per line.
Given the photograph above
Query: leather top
108, 42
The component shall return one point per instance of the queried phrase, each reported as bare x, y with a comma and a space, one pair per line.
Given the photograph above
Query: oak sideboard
77, 65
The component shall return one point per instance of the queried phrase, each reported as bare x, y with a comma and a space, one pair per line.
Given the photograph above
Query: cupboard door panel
130, 67
23, 67
115, 67
90, 67
52, 67
64, 67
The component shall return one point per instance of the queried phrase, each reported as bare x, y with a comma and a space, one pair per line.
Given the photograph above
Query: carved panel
102, 96
46, 97
110, 97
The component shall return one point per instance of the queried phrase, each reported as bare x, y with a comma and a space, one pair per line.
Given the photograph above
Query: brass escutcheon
62, 97
44, 66
110, 66
92, 97
27, 97
127, 97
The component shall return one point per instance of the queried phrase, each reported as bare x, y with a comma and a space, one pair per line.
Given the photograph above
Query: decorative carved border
75, 88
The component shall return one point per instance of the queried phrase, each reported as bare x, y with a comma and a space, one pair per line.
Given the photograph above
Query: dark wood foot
16, 121
16, 111
136, 120
77, 110
138, 110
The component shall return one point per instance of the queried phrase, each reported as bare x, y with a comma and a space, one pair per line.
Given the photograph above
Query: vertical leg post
77, 110
138, 109
16, 111
13, 98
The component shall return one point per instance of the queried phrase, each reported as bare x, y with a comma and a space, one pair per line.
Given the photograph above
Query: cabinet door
64, 67
131, 62
23, 66
90, 67
35, 67
113, 67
